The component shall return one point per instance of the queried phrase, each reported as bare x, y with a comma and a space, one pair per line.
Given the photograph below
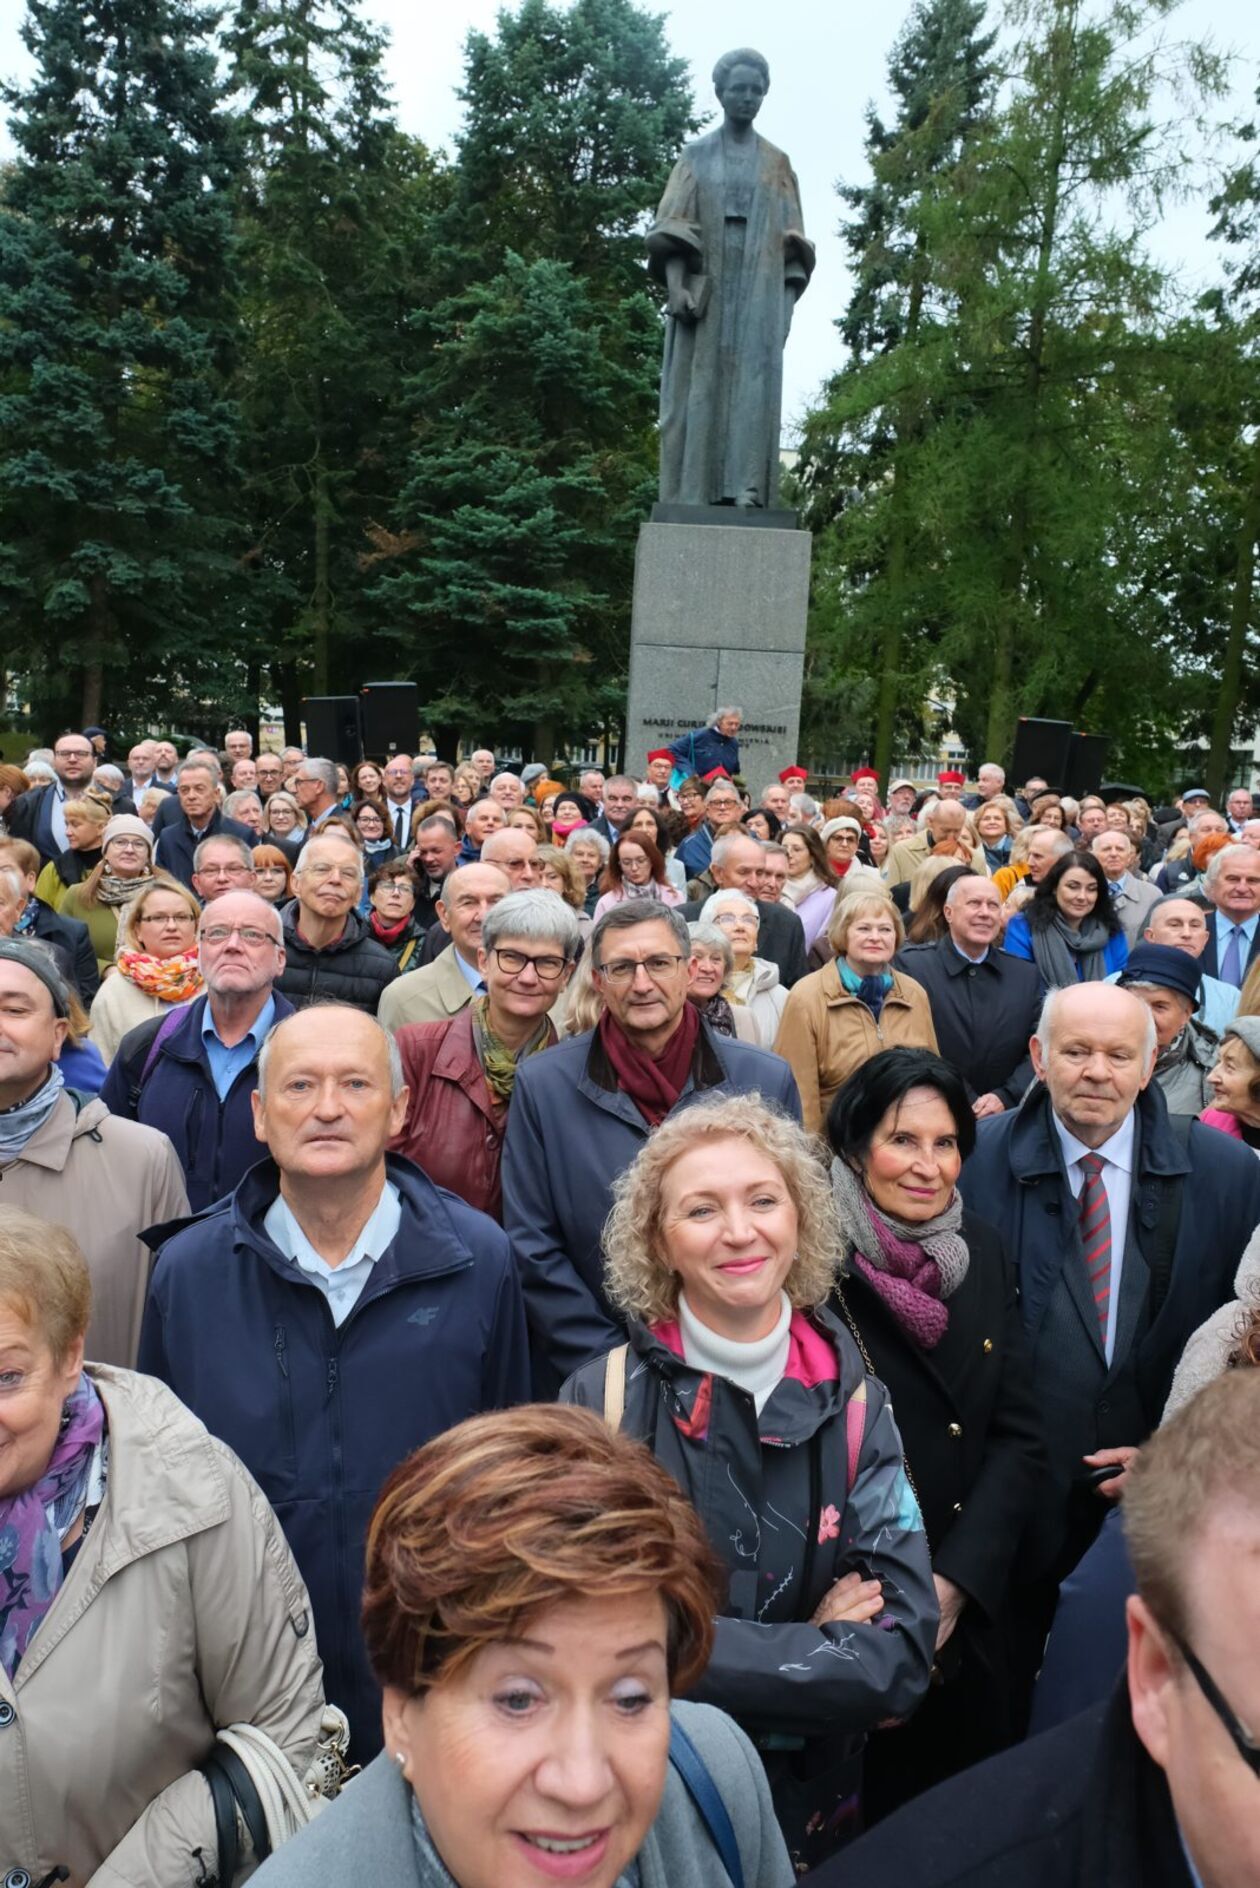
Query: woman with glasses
460, 1072
283, 818
126, 868
391, 913
753, 984
157, 965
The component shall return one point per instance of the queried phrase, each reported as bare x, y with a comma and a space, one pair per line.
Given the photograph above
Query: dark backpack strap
707, 1798
155, 1034
232, 1788
1168, 1225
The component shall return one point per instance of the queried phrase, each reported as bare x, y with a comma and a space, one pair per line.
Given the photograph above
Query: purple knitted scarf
914, 1269
30, 1535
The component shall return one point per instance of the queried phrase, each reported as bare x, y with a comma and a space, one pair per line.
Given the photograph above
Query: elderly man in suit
1232, 885
1131, 894
452, 980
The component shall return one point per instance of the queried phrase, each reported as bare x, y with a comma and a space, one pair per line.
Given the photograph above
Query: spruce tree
116, 437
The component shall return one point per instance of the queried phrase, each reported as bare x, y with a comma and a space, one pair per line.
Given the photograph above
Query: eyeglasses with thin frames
622, 969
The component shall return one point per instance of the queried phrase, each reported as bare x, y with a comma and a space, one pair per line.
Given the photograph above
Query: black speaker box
391, 718
1041, 750
332, 728
1087, 763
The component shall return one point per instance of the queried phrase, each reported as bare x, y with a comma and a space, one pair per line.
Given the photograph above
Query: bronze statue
730, 249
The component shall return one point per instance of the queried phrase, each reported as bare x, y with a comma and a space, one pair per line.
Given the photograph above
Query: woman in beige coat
853, 1007
148, 1599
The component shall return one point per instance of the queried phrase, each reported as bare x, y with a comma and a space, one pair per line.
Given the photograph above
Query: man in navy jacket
578, 1119
192, 1073
333, 1314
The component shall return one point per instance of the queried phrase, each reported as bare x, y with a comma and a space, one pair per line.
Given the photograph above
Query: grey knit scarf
862, 1223
1057, 948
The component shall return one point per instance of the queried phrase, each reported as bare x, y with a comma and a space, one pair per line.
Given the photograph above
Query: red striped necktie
1095, 1223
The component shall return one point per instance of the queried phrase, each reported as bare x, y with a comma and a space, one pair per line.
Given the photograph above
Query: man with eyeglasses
1159, 1787
331, 956
403, 799
450, 982
270, 776
461, 1072
221, 864
40, 814
723, 810
582, 1112
194, 816
192, 1072
315, 790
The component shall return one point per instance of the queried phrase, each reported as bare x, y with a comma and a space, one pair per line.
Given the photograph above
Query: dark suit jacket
984, 1014
176, 845
1209, 963
71, 944
1082, 1807
781, 939
30, 817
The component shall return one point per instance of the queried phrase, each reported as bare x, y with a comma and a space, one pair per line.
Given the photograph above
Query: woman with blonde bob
721, 1251
853, 1007
537, 1591
156, 967
143, 1569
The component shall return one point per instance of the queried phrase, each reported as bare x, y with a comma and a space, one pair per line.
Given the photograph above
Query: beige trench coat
105, 1180
826, 1034
182, 1612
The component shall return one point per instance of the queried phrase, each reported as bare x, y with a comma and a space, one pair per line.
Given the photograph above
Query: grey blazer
366, 1834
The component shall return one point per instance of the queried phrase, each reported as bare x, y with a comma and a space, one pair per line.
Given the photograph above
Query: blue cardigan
1018, 943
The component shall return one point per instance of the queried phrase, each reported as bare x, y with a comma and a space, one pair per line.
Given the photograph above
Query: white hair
1227, 852
1045, 1024
396, 1078
730, 896
720, 714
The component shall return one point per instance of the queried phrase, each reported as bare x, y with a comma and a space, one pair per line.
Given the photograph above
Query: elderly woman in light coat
149, 1600
753, 982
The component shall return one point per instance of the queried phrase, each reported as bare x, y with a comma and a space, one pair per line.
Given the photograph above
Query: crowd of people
692, 1331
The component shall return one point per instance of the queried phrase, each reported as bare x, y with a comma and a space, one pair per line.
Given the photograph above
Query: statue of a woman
729, 247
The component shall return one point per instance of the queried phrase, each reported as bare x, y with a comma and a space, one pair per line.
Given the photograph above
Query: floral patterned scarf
170, 979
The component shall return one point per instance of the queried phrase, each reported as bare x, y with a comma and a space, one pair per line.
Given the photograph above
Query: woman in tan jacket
148, 1599
853, 1007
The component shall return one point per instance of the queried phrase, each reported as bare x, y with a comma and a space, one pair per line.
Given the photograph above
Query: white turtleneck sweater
756, 1367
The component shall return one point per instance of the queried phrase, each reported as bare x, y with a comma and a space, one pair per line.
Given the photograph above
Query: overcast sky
826, 62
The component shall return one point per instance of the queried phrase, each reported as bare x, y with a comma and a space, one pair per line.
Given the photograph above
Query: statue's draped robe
732, 211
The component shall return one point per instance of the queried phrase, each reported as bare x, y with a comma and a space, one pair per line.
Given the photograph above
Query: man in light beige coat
944, 820
71, 1161
450, 982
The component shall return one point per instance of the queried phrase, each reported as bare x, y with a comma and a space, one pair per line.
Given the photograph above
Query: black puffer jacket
354, 969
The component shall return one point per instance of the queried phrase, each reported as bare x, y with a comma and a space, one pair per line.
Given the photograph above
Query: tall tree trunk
1218, 766
320, 600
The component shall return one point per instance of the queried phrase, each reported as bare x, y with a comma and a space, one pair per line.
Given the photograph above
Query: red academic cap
793, 773
659, 753
863, 773
714, 773
951, 777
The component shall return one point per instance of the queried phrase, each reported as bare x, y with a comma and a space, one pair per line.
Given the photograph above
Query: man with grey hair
582, 1112
509, 790
1232, 886
192, 1072
990, 781
330, 955
333, 1313
736, 866
448, 984
723, 810
1126, 1226
316, 791
222, 863
191, 815
1182, 922
461, 1071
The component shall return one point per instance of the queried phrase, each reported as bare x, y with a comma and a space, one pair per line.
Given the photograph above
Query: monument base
741, 515
719, 619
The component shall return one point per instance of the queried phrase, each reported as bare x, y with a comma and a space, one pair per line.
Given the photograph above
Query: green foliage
116, 433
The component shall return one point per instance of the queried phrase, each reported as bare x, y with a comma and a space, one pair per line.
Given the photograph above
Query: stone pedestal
719, 618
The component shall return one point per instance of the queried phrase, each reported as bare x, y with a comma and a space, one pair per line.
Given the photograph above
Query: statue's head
741, 80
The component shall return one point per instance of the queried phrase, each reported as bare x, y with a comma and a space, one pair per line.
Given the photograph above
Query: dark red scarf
652, 1085
387, 933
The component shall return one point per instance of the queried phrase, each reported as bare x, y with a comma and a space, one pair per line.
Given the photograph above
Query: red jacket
453, 1129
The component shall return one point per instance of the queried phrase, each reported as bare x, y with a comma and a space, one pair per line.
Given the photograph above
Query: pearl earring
400, 1759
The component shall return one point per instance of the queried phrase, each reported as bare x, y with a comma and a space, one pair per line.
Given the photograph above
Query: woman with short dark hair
930, 1297
392, 890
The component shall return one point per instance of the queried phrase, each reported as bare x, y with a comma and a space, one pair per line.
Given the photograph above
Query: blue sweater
1018, 943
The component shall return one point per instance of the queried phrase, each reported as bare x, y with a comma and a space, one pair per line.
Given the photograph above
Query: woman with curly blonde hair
721, 1251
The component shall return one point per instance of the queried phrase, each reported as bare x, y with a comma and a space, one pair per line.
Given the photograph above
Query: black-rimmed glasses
513, 962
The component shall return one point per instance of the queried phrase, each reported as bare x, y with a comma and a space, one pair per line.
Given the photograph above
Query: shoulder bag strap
707, 1798
615, 1386
232, 1788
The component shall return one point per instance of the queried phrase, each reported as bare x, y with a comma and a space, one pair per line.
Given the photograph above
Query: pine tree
116, 437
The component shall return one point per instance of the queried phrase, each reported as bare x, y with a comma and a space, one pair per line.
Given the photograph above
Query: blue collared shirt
1224, 926
342, 1284
470, 974
967, 959
226, 1063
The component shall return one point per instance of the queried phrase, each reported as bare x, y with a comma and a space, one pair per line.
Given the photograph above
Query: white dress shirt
1117, 1178
342, 1284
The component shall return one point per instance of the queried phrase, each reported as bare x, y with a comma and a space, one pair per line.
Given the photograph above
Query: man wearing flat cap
1167, 980
65, 1158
